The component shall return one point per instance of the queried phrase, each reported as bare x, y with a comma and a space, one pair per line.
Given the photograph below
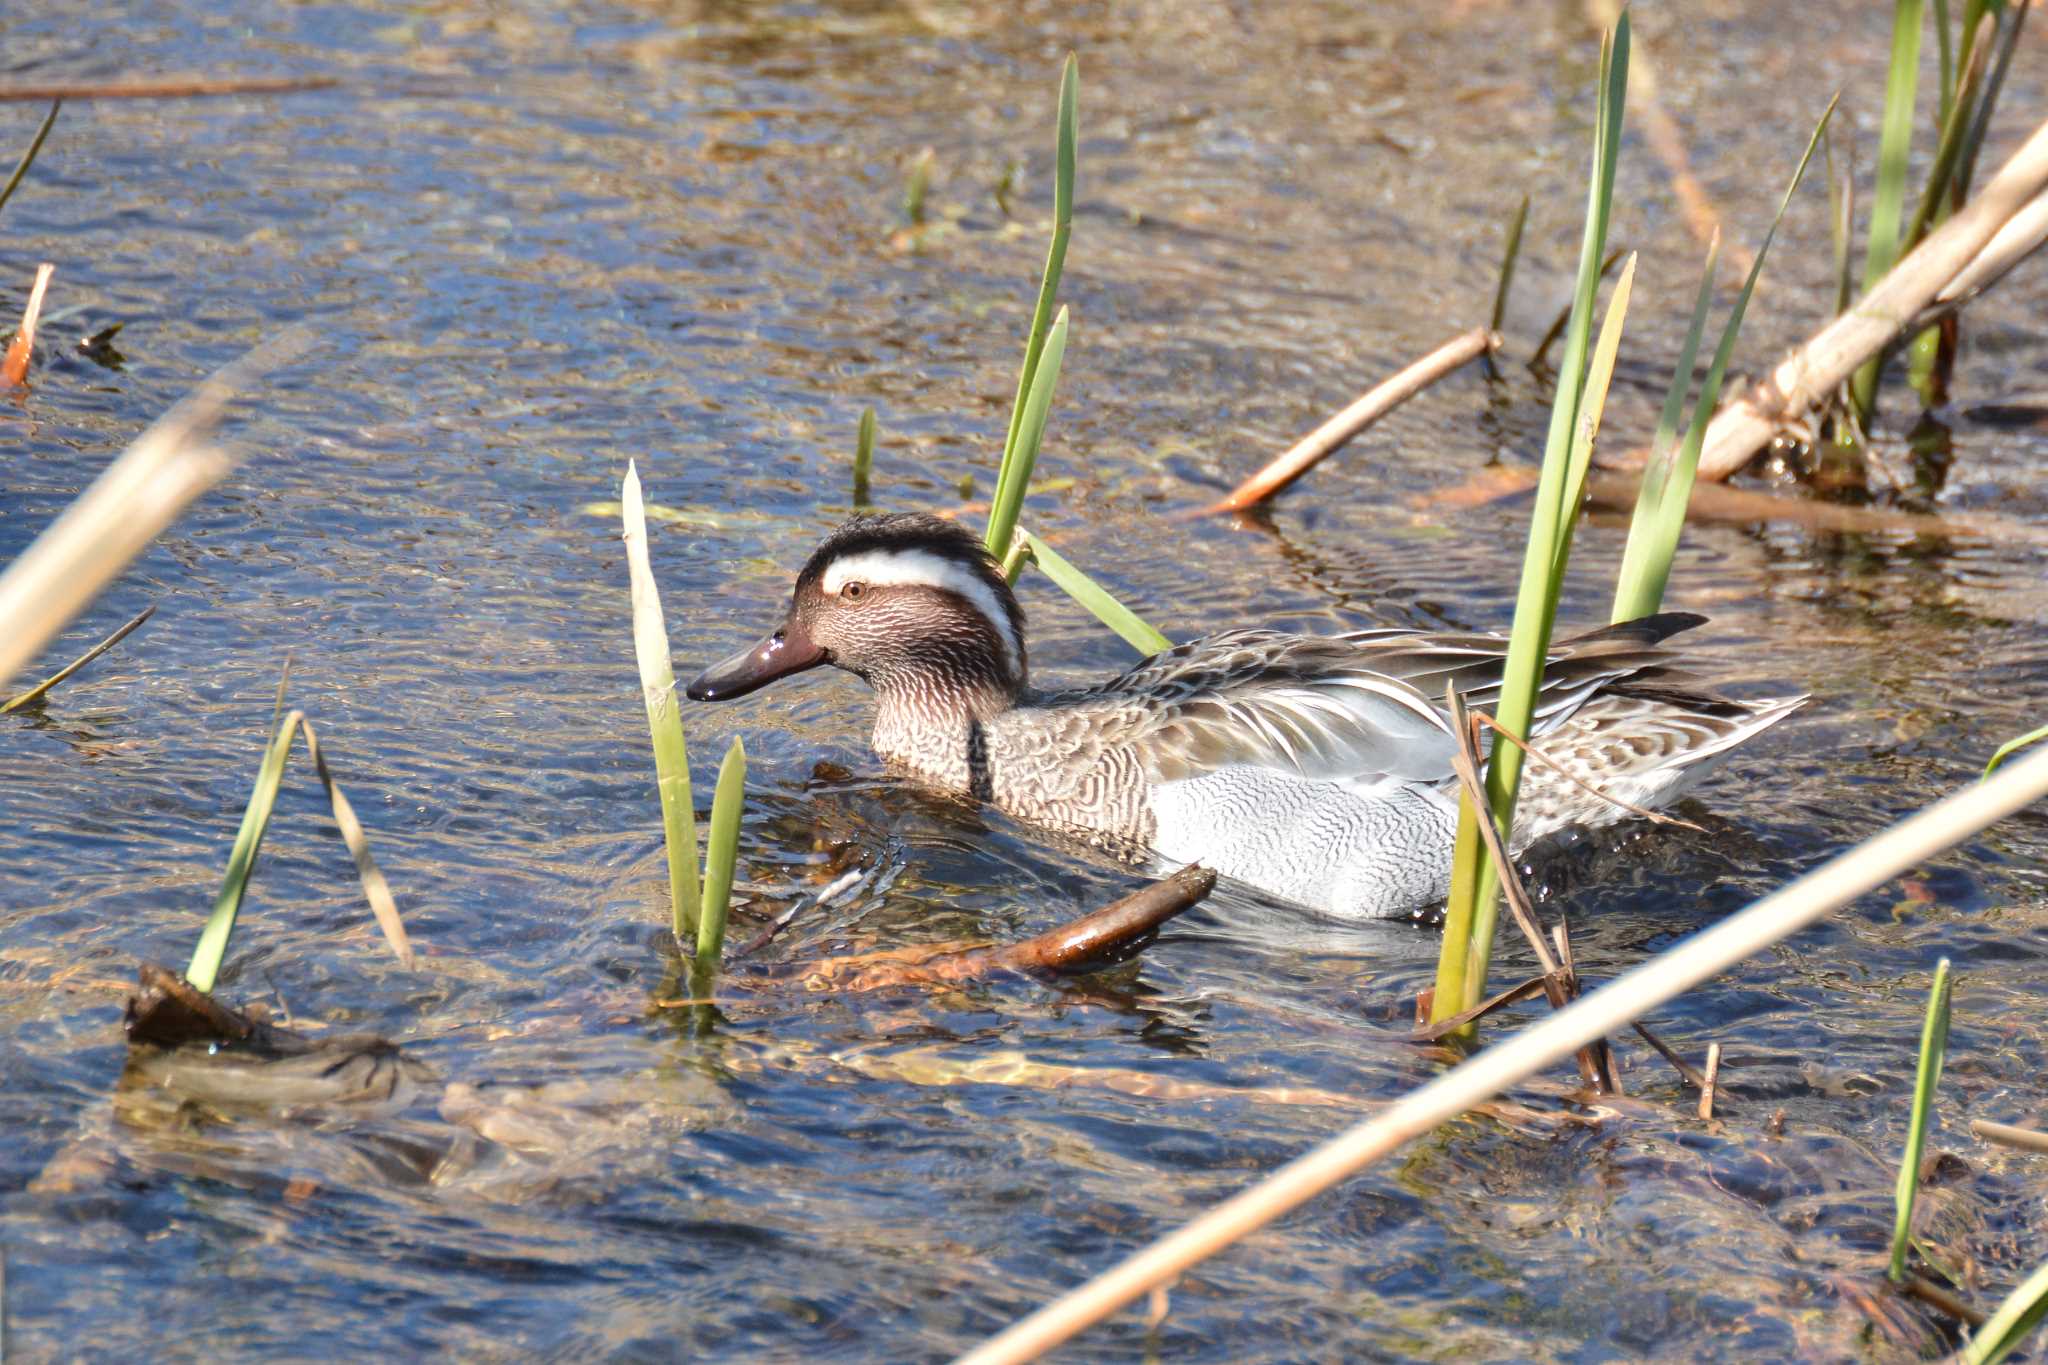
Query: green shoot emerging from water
721, 851
1668, 478
204, 969
664, 722
863, 458
1474, 901
1933, 1050
1046, 341
697, 912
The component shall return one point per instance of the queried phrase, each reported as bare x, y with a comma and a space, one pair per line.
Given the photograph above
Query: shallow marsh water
536, 242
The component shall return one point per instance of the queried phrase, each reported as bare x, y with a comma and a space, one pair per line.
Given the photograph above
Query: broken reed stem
1888, 311
36, 693
1933, 1295
1686, 1070
14, 365
1331, 436
1636, 992
1513, 995
2006, 1135
1710, 1080
141, 493
167, 89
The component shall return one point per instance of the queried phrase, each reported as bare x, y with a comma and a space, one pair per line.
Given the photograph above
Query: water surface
535, 242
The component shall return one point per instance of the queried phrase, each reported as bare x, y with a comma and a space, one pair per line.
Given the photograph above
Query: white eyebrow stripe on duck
923, 569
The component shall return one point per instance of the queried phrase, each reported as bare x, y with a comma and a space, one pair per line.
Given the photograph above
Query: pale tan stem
1627, 997
1313, 448
1746, 424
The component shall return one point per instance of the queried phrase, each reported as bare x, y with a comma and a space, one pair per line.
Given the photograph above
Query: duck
1317, 770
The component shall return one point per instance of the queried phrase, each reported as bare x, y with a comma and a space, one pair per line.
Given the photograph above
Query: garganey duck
1315, 768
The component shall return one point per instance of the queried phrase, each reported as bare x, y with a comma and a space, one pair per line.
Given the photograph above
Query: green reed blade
863, 458
1659, 518
204, 969
1009, 498
2011, 19
1509, 254
42, 689
2013, 746
917, 184
664, 721
376, 889
1599, 374
2001, 1334
1474, 902
1841, 218
1933, 1050
28, 158
1010, 483
721, 851
1934, 195
1881, 240
1093, 596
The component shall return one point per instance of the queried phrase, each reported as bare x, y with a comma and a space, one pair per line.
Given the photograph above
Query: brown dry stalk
1745, 424
1078, 943
1513, 995
2006, 1135
1331, 436
1710, 1080
190, 87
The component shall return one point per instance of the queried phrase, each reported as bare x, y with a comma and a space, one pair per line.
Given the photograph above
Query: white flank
923, 569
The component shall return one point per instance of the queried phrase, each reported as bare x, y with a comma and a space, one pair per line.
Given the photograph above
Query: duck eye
853, 592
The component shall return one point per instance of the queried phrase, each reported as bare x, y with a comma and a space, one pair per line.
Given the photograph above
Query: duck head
911, 603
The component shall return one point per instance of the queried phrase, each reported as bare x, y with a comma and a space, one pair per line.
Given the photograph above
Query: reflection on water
537, 242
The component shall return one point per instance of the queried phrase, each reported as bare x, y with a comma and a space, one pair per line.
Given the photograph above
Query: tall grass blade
1093, 596
1474, 903
664, 721
721, 851
2020, 1314
1881, 237
1933, 1050
1841, 220
1659, 518
1010, 486
28, 158
2013, 746
1509, 254
863, 458
1592, 405
1009, 499
204, 969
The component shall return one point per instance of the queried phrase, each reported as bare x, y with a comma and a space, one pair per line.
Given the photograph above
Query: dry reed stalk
1331, 436
141, 493
167, 89
1888, 311
1660, 979
14, 365
2006, 1135
1711, 1081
